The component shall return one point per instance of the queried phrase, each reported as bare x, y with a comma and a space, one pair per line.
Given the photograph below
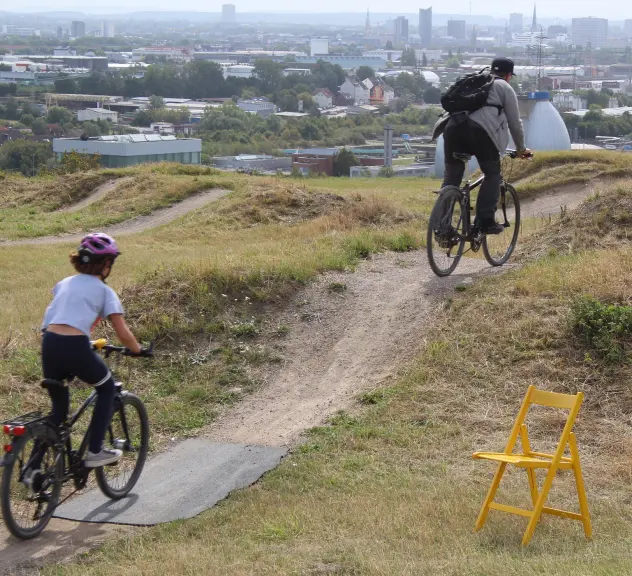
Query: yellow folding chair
531, 460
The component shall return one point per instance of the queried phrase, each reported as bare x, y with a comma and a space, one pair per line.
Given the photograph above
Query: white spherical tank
439, 165
545, 129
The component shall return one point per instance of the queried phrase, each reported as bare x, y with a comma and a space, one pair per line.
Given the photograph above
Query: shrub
386, 172
605, 327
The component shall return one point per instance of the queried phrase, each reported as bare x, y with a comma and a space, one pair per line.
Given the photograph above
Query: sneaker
493, 228
32, 479
103, 458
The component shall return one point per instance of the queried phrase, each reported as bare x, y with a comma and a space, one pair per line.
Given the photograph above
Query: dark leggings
67, 357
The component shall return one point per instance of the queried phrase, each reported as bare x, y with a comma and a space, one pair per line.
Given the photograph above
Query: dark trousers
464, 136
66, 357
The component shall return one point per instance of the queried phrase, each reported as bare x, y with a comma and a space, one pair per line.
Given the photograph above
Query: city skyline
494, 8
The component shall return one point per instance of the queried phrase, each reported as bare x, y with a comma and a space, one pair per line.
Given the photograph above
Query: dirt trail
338, 345
568, 196
138, 224
97, 194
342, 344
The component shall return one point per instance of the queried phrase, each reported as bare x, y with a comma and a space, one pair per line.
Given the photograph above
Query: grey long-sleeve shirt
498, 124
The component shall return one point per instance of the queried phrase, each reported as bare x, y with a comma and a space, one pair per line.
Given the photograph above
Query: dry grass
394, 490
551, 169
200, 283
31, 207
602, 221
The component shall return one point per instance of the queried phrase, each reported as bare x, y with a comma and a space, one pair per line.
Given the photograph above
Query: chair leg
533, 485
537, 510
482, 517
581, 490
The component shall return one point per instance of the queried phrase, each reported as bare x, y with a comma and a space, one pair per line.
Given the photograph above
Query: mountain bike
27, 507
450, 225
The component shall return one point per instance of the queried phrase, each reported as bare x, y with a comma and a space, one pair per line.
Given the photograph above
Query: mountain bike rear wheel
28, 509
498, 248
445, 239
129, 432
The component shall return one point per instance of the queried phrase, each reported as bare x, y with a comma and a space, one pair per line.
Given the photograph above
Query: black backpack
469, 93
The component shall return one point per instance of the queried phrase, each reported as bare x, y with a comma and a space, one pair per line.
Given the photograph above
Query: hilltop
281, 272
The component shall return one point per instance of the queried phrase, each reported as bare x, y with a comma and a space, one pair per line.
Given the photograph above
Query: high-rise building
456, 29
425, 26
534, 22
593, 31
627, 28
401, 30
516, 22
228, 13
107, 29
367, 24
60, 32
78, 29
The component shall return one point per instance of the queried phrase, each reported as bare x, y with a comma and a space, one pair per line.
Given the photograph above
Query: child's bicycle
28, 503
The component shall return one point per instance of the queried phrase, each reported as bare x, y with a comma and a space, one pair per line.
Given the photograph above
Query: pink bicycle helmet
98, 246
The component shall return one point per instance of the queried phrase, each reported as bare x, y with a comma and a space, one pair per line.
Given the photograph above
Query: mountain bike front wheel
498, 248
128, 432
445, 239
27, 508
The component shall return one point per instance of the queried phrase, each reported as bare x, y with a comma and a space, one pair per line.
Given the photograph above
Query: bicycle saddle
462, 156
49, 383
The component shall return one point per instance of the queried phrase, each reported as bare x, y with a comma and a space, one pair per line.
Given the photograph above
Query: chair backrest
571, 402
554, 399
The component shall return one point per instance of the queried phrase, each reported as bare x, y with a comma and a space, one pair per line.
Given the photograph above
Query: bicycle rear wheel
129, 432
498, 248
27, 510
445, 238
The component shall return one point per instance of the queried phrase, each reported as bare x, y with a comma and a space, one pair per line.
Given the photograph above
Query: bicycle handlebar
102, 344
514, 154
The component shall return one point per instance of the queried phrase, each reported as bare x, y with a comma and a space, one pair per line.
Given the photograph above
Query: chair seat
520, 460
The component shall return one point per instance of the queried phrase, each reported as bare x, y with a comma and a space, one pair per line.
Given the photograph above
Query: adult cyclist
484, 134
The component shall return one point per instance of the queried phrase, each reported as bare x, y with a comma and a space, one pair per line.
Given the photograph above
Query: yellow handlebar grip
100, 343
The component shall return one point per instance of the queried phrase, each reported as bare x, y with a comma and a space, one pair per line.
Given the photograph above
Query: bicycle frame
467, 190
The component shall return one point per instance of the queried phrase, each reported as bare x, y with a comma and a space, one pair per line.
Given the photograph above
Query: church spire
534, 23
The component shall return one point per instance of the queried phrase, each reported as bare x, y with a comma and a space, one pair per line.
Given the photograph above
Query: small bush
386, 172
605, 327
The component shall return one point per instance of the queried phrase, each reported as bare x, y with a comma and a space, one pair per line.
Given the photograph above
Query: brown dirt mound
293, 204
604, 220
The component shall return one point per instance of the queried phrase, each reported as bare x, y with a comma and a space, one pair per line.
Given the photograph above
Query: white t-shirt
80, 300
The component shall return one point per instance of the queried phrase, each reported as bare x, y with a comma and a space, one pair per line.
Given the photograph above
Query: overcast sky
614, 9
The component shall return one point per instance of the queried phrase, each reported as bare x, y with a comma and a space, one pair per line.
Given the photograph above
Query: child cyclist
79, 302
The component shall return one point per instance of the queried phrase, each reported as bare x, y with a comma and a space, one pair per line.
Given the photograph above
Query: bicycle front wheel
27, 509
498, 248
445, 238
129, 432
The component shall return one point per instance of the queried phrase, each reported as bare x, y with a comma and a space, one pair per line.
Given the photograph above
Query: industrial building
130, 149
97, 114
238, 70
177, 54
94, 63
319, 47
261, 106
